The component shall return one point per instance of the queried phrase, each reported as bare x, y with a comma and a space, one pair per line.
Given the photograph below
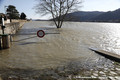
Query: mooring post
5, 37
5, 41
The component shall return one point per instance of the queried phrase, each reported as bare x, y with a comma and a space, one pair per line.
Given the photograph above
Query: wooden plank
109, 55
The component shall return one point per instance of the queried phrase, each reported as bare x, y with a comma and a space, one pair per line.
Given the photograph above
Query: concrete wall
7, 21
12, 28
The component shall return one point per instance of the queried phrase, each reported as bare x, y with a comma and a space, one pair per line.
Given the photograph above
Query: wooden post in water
5, 37
5, 41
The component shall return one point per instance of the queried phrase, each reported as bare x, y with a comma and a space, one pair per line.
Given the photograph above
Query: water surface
62, 46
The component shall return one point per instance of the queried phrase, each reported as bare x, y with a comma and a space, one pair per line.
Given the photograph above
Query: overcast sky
26, 6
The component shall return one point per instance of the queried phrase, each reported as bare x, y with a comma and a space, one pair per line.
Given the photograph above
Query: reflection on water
71, 45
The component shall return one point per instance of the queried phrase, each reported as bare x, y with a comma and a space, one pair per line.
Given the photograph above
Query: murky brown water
71, 45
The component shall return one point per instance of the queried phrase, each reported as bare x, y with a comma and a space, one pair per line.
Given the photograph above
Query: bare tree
57, 8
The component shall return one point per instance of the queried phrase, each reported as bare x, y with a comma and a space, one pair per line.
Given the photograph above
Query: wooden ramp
109, 55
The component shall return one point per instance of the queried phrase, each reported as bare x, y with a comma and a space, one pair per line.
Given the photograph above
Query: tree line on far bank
12, 13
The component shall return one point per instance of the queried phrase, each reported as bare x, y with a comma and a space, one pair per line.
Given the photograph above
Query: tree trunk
59, 26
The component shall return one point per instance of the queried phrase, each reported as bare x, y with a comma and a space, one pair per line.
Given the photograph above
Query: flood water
60, 47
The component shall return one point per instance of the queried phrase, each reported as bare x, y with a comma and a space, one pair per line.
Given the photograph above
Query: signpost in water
40, 33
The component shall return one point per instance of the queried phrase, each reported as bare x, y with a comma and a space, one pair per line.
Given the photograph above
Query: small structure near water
5, 41
107, 54
6, 31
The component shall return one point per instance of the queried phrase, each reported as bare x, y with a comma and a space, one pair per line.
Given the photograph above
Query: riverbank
68, 72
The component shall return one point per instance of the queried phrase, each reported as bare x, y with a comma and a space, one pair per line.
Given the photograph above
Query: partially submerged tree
58, 9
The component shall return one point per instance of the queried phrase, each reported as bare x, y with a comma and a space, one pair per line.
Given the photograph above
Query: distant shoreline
82, 21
